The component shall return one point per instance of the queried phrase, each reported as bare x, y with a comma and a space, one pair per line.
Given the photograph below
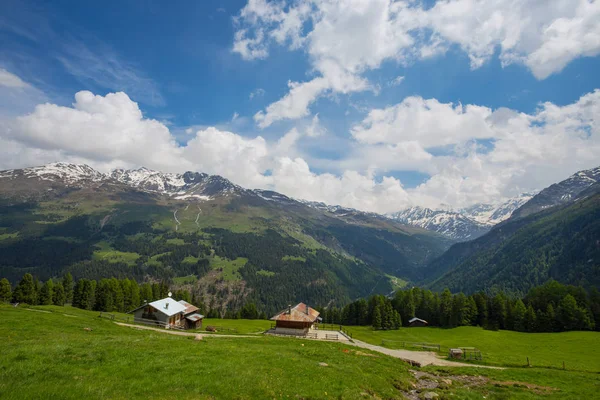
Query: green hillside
47, 352
560, 243
229, 250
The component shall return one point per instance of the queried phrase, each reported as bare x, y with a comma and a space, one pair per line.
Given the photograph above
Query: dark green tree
530, 320
518, 316
68, 287
26, 291
58, 295
5, 290
249, 311
377, 323
46, 293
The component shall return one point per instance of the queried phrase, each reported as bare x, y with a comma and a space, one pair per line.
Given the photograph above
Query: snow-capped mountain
560, 193
449, 223
492, 214
65, 172
180, 186
463, 224
36, 181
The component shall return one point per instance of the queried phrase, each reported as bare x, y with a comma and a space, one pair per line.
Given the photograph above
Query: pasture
579, 350
46, 353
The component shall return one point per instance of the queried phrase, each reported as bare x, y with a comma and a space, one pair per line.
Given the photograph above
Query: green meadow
47, 352
579, 350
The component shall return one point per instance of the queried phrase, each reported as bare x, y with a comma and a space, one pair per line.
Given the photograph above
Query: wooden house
193, 320
168, 313
297, 320
417, 322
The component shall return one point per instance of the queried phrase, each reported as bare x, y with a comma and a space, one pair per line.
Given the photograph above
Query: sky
372, 104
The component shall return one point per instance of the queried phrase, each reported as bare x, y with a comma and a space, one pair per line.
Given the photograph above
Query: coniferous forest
552, 307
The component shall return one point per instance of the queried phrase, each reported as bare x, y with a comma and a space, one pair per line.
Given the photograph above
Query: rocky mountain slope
229, 243
560, 193
558, 242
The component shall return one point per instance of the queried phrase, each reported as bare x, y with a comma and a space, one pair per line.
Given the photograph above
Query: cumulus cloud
343, 39
488, 154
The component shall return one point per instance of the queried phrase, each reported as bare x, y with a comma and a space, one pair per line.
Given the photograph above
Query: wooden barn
297, 320
193, 320
417, 322
168, 313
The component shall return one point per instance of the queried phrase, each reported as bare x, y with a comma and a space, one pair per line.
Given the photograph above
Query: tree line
109, 294
552, 307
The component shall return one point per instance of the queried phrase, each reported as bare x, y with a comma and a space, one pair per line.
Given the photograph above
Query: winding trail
177, 223
180, 333
418, 358
415, 358
198, 216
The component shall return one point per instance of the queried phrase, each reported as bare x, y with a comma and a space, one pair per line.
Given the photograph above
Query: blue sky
355, 139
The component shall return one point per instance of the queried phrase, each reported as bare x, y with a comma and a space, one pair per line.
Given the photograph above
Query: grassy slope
48, 354
505, 348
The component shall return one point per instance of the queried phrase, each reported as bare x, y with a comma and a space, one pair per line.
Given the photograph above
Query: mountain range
227, 242
462, 224
230, 244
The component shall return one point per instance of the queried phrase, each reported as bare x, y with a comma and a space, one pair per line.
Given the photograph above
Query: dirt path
179, 333
418, 358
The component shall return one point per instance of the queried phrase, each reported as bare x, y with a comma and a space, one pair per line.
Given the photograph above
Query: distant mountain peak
560, 193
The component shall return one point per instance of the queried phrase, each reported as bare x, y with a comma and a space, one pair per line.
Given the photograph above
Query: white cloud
521, 151
343, 39
235, 116
293, 105
11, 80
259, 92
396, 81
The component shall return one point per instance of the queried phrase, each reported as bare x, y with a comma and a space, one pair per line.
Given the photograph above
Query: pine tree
446, 308
530, 323
68, 286
377, 317
518, 316
5, 290
46, 293
26, 291
566, 314
146, 293
58, 295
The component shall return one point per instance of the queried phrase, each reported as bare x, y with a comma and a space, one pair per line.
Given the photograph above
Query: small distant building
169, 313
297, 320
193, 320
417, 322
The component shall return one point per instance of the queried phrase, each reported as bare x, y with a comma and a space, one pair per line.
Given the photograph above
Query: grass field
579, 350
105, 252
242, 326
46, 353
230, 267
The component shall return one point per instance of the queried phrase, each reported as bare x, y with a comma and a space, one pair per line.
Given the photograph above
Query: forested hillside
561, 243
227, 244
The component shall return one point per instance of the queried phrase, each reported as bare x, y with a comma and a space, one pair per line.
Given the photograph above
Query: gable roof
189, 308
194, 317
168, 306
299, 313
416, 319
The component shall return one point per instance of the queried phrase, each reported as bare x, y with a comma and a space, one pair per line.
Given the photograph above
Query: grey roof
416, 319
194, 317
168, 306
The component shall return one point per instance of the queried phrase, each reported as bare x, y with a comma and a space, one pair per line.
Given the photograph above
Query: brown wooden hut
297, 320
